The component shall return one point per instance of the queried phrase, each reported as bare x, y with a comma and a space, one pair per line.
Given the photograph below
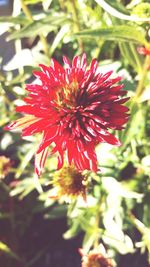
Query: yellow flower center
69, 182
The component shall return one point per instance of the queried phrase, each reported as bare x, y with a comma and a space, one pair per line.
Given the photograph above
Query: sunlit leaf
116, 188
4, 248
89, 240
120, 33
56, 212
122, 243
20, 19
44, 25
32, 2
23, 188
58, 38
73, 230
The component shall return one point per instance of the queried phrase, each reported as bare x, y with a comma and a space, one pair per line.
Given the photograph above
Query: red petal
83, 62
107, 75
40, 159
56, 66
21, 123
122, 101
76, 62
60, 159
93, 66
48, 138
34, 87
119, 108
36, 127
110, 139
66, 62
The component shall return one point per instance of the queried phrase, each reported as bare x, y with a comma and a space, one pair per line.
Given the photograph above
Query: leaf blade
120, 33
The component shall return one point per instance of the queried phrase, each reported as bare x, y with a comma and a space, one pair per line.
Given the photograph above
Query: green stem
26, 10
62, 4
45, 44
77, 24
135, 100
135, 54
140, 87
96, 241
17, 42
42, 37
100, 210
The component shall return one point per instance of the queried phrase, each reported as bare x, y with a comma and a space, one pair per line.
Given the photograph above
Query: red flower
73, 107
143, 50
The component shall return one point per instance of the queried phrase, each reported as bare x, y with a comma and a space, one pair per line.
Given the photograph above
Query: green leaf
4, 248
25, 161
142, 10
21, 19
145, 231
89, 239
122, 33
134, 128
59, 37
116, 13
131, 55
47, 24
23, 188
5, 215
73, 231
86, 225
122, 243
32, 2
56, 212
46, 4
118, 189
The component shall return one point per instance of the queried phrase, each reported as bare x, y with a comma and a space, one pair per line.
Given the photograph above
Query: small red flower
143, 50
73, 107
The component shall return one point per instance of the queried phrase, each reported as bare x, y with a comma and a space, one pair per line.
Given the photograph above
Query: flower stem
100, 210
140, 87
42, 37
136, 56
17, 42
45, 44
26, 10
77, 24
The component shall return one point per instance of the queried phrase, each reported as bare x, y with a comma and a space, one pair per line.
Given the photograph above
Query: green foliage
142, 10
50, 22
7, 250
117, 204
117, 33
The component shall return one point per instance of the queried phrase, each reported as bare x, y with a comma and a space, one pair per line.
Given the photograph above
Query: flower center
69, 181
67, 95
